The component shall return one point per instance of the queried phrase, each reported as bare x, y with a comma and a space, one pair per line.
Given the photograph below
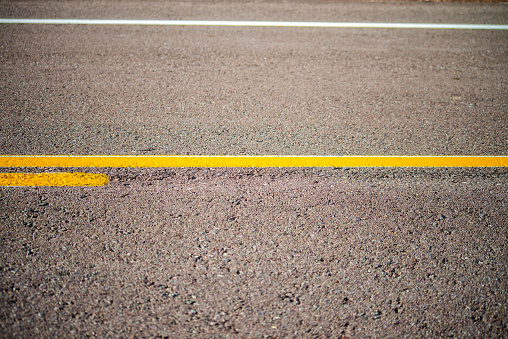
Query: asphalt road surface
273, 252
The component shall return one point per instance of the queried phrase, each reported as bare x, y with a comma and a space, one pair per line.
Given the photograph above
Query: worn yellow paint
53, 179
250, 161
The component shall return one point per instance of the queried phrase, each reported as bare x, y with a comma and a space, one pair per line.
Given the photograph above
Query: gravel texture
226, 90
258, 253
255, 253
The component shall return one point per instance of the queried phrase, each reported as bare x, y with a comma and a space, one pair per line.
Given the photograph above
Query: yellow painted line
53, 179
250, 161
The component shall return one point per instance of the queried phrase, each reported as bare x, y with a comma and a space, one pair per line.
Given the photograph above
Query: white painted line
251, 23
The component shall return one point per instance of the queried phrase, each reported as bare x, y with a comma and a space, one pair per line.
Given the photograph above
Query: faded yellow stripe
252, 161
53, 179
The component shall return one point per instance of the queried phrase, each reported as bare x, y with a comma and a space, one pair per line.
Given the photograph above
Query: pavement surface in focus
273, 252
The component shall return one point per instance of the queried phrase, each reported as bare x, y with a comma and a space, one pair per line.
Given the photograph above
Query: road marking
53, 179
251, 23
249, 161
